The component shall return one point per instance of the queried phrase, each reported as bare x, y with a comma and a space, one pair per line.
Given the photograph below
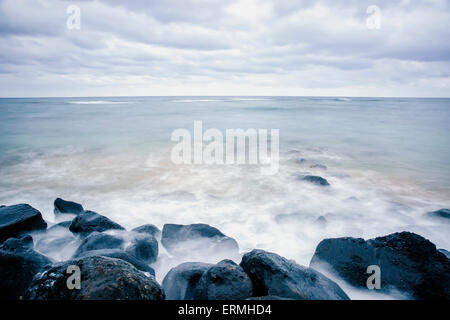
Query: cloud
199, 47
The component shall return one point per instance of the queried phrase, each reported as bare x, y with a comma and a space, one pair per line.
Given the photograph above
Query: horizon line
164, 96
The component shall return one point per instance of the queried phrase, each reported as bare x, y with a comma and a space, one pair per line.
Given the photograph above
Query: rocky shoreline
115, 263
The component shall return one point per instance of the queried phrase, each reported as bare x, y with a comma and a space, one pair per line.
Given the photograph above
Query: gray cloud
200, 47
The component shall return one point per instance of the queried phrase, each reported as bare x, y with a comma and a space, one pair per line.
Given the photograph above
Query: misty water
387, 162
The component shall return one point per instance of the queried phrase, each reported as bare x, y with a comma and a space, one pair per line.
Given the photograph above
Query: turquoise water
387, 162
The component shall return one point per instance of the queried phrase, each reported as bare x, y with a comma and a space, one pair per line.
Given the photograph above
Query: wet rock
181, 281
17, 219
273, 275
18, 265
90, 221
62, 224
144, 248
177, 238
316, 180
445, 252
102, 278
442, 213
224, 281
97, 241
149, 229
66, 207
119, 254
408, 263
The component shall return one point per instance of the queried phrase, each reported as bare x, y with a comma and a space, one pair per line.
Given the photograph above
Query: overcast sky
220, 47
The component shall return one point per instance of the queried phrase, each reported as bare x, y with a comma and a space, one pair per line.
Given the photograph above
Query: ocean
387, 161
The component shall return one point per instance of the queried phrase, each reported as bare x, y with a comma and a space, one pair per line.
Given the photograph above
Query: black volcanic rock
224, 281
273, 275
18, 265
408, 263
181, 281
102, 278
176, 238
97, 241
66, 207
144, 248
119, 254
149, 229
17, 219
90, 221
442, 213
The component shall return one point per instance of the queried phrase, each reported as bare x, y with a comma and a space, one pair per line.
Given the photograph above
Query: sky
219, 47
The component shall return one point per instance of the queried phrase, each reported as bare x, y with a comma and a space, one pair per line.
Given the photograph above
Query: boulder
66, 207
316, 180
102, 278
224, 281
445, 252
273, 275
149, 229
18, 219
97, 241
144, 248
18, 265
442, 213
208, 240
90, 221
408, 263
119, 254
181, 281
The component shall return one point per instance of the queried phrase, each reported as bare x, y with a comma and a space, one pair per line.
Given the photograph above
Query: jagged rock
102, 278
274, 275
98, 241
18, 264
90, 221
144, 248
17, 219
197, 237
149, 229
66, 207
408, 263
181, 281
119, 254
224, 281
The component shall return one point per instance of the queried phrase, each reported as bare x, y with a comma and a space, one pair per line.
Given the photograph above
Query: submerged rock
18, 219
408, 263
90, 221
319, 166
274, 275
209, 240
18, 265
149, 229
63, 207
181, 281
97, 241
316, 180
224, 281
442, 213
144, 248
119, 254
102, 278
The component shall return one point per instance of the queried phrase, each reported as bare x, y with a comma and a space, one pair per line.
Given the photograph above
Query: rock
102, 278
274, 275
149, 229
62, 206
18, 265
176, 238
443, 213
224, 281
181, 281
445, 252
119, 254
268, 298
97, 241
18, 219
319, 166
90, 221
144, 248
63, 224
316, 180
408, 263
322, 221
